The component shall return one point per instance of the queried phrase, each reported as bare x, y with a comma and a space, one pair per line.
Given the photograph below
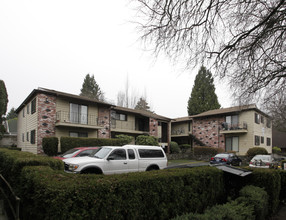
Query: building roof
181, 119
141, 112
224, 111
58, 94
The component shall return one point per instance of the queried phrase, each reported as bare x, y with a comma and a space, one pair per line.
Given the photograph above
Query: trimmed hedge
147, 195
185, 147
50, 146
283, 185
255, 151
206, 151
174, 147
146, 140
251, 204
68, 143
12, 163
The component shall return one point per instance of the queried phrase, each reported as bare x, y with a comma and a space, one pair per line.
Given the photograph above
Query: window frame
256, 140
256, 118
261, 140
33, 136
232, 143
268, 141
33, 106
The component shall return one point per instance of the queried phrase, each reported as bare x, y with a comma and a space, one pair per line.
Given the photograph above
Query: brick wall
104, 120
207, 131
46, 119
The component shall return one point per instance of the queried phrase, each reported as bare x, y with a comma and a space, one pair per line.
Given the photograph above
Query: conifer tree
91, 89
142, 104
3, 105
203, 96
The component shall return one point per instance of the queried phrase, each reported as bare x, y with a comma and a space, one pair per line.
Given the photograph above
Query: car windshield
70, 153
262, 157
222, 155
102, 152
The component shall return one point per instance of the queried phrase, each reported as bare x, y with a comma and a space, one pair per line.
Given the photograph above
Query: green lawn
177, 162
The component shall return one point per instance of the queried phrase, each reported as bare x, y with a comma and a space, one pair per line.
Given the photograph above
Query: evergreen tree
142, 104
203, 96
11, 114
3, 105
91, 89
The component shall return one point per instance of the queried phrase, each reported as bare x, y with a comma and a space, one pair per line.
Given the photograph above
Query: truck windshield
102, 153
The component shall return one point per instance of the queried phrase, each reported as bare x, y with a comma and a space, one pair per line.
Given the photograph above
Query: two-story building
46, 113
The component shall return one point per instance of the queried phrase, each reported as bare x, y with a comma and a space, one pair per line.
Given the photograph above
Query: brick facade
104, 120
153, 127
207, 131
46, 119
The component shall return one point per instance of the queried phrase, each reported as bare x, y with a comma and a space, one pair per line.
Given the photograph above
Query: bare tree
243, 40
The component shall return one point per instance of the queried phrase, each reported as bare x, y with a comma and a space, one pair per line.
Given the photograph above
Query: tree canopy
142, 104
11, 114
3, 105
243, 41
203, 96
91, 89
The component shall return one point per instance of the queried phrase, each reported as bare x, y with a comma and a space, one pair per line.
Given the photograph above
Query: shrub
206, 151
50, 145
256, 150
124, 139
185, 147
147, 140
251, 204
174, 147
276, 150
283, 185
49, 194
68, 143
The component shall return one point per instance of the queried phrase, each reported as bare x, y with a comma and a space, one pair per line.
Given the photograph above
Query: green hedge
206, 151
251, 205
50, 146
185, 147
49, 194
174, 147
12, 162
283, 185
255, 151
68, 143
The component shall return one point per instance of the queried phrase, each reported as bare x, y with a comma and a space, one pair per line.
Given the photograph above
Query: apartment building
234, 129
46, 113
181, 130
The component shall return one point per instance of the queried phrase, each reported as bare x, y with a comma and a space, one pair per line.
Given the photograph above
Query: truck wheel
152, 168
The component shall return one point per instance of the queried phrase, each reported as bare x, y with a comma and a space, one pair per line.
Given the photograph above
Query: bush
68, 143
256, 150
174, 147
283, 185
251, 204
147, 140
50, 145
185, 147
124, 139
49, 194
276, 150
206, 151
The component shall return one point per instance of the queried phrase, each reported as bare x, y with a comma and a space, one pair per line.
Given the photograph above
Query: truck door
116, 162
132, 161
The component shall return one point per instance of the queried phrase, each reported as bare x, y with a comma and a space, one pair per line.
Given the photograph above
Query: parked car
113, 160
226, 158
263, 161
78, 152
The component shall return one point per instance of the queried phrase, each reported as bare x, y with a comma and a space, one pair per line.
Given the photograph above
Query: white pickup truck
112, 160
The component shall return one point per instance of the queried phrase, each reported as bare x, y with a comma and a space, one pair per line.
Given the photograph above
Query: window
33, 106
33, 137
28, 109
78, 113
78, 134
131, 154
262, 140
262, 120
257, 118
231, 144
118, 154
119, 116
146, 153
268, 141
23, 112
23, 137
257, 140
27, 136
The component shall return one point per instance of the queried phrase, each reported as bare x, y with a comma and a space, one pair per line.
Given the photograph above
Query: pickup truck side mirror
110, 158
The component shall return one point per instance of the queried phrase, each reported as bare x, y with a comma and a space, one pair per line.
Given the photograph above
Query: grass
177, 162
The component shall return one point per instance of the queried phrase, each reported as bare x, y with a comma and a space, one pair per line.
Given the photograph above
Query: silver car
263, 161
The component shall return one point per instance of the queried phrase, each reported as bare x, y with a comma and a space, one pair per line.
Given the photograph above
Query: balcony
227, 128
180, 132
128, 127
68, 119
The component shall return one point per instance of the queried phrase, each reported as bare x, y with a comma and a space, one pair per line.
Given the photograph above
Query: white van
112, 160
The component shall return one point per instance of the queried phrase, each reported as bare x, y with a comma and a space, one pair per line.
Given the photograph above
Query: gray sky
54, 44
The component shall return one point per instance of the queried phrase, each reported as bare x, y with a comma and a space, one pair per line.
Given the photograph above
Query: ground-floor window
268, 141
33, 137
257, 140
78, 134
231, 144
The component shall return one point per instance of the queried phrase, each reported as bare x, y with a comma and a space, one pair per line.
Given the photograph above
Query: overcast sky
54, 44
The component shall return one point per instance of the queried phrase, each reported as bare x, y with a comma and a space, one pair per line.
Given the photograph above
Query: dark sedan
226, 158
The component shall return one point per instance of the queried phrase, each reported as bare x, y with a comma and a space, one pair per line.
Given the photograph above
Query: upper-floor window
119, 116
257, 140
257, 118
78, 134
33, 106
268, 123
23, 112
78, 113
262, 119
28, 109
